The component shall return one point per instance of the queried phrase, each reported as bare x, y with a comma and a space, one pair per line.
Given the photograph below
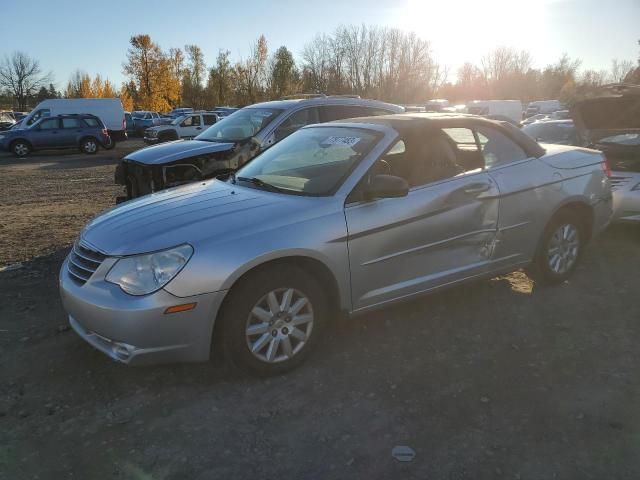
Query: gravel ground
497, 379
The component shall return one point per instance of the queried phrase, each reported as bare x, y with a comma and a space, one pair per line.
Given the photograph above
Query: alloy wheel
21, 149
90, 146
563, 249
279, 325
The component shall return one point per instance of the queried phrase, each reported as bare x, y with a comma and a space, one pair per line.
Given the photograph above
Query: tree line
374, 62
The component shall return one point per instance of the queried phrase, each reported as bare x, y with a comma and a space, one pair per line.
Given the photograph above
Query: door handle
477, 188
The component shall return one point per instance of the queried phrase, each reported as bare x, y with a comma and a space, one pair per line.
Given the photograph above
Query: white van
511, 109
109, 110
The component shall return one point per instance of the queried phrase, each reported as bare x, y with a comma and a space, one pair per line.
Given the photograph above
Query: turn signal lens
185, 307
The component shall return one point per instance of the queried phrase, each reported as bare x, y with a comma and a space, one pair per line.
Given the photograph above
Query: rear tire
110, 145
272, 320
560, 248
20, 148
89, 145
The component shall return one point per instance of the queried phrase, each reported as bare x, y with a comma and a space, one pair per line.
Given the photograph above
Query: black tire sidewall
542, 269
242, 299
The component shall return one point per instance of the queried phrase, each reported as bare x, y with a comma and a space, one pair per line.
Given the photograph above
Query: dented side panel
437, 234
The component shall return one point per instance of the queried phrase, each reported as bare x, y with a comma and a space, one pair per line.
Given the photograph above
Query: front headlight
144, 274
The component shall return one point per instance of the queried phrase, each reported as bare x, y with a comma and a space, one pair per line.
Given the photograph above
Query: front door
191, 126
47, 134
442, 232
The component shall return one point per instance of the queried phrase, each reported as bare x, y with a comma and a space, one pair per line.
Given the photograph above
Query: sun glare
462, 30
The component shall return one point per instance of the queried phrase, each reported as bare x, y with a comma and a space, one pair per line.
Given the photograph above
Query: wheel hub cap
279, 325
563, 250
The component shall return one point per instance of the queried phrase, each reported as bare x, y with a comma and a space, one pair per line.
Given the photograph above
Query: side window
50, 124
92, 122
189, 122
340, 112
196, 120
45, 112
71, 123
373, 112
209, 119
498, 149
296, 121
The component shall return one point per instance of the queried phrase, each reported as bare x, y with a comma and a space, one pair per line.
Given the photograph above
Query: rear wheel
273, 319
560, 249
109, 144
20, 148
89, 145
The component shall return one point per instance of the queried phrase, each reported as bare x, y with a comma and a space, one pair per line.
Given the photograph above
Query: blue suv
86, 132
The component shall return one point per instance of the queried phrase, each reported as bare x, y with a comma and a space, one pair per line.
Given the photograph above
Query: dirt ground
497, 379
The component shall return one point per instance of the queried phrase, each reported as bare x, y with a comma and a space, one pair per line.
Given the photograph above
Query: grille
619, 182
83, 262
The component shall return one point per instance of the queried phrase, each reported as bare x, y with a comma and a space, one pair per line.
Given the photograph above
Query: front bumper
135, 330
626, 201
151, 140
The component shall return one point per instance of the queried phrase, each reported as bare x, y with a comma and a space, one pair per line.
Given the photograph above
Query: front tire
273, 319
560, 248
20, 148
89, 145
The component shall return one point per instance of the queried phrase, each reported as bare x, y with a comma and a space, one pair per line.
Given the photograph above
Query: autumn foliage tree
152, 74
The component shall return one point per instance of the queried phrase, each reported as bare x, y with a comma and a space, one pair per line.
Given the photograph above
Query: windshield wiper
260, 183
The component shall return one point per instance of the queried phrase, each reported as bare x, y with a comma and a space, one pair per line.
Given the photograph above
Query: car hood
171, 151
211, 211
610, 110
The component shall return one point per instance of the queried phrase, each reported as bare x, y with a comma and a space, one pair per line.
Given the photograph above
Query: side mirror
386, 186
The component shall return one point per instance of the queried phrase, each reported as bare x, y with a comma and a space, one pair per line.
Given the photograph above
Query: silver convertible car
338, 218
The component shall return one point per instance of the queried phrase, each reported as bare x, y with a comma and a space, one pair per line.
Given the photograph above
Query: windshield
240, 125
311, 161
178, 120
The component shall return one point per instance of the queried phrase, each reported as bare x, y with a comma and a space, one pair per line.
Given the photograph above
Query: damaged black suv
233, 141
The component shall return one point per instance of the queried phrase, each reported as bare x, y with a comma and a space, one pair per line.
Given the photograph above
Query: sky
93, 36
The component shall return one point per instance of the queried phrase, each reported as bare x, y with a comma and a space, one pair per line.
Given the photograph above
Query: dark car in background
232, 142
86, 132
562, 132
608, 120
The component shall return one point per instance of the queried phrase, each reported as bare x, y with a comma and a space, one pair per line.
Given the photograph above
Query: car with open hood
233, 141
340, 217
609, 120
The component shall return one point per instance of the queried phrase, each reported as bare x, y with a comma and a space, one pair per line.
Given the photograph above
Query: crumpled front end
141, 178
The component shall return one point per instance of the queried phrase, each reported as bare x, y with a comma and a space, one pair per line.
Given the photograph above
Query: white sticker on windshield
342, 141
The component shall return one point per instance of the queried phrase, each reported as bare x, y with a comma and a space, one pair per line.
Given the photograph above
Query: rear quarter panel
532, 191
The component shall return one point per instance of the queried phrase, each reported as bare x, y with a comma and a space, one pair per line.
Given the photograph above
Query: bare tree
22, 76
620, 69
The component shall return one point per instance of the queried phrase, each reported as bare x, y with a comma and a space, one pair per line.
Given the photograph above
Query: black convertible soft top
412, 125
